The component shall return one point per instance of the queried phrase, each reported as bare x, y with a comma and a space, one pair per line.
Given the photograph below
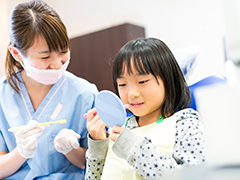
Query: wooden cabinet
92, 54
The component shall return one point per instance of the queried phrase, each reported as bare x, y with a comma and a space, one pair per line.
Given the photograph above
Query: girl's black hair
152, 56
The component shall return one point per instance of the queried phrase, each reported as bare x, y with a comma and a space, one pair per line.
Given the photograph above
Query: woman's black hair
152, 56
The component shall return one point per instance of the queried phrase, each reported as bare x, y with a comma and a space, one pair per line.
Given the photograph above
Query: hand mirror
110, 108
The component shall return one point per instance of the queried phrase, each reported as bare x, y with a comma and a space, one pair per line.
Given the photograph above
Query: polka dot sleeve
190, 139
148, 162
96, 155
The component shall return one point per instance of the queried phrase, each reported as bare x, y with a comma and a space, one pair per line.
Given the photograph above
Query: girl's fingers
93, 121
113, 136
90, 115
96, 129
117, 129
95, 124
101, 124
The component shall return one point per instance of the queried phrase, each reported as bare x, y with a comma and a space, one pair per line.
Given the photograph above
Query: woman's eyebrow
44, 52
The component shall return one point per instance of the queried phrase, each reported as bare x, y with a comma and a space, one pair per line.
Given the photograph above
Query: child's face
143, 93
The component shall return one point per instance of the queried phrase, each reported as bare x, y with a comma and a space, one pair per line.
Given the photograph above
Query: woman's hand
66, 140
115, 132
95, 126
26, 138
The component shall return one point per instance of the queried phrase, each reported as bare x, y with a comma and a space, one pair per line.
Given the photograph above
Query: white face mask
46, 76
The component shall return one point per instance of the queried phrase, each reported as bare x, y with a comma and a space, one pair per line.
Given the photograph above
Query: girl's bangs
133, 62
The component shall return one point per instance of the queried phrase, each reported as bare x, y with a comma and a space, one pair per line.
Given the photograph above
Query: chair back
204, 82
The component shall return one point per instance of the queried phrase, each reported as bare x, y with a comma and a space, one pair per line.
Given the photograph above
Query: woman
37, 89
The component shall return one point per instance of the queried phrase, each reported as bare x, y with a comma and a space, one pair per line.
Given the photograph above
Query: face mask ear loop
21, 62
12, 53
14, 56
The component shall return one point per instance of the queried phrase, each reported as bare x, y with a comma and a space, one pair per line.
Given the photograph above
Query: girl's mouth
136, 105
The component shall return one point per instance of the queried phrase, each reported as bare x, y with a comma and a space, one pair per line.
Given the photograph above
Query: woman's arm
10, 162
77, 157
26, 139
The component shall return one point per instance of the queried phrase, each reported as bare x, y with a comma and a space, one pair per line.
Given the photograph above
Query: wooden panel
92, 54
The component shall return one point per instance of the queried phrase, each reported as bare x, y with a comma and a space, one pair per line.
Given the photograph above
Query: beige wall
179, 23
4, 38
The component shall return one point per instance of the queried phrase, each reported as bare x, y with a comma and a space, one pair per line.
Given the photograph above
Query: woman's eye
64, 52
142, 82
121, 85
45, 57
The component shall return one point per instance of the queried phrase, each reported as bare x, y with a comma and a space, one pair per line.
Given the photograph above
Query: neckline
47, 99
160, 119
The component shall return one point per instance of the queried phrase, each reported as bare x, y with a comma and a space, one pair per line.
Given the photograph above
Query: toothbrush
41, 124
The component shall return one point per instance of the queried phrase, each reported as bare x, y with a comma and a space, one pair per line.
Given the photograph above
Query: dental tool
41, 124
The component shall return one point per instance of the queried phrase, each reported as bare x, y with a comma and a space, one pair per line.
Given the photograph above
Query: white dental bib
162, 136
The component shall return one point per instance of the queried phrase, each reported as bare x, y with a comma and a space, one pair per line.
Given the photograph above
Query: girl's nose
133, 92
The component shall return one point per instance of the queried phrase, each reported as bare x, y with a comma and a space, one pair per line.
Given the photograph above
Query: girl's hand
115, 132
95, 126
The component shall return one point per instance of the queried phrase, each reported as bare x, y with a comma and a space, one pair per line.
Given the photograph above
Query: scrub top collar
47, 99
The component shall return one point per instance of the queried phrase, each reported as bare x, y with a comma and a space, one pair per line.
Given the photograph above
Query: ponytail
11, 65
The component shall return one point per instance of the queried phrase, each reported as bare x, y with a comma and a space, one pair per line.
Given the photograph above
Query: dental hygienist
38, 89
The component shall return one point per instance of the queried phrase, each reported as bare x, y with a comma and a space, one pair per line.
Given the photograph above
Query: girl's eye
142, 82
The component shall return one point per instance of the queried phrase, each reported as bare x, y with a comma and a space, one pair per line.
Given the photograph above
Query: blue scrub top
70, 98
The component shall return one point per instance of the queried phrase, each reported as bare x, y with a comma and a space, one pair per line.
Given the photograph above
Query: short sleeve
3, 146
84, 140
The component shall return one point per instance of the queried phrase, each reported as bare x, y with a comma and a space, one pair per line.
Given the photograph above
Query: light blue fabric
76, 95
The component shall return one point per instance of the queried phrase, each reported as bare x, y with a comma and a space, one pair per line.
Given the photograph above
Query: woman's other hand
66, 140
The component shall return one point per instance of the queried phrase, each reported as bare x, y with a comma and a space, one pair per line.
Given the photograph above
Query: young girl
37, 89
163, 134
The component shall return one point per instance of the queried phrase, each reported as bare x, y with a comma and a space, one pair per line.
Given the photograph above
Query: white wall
179, 23
232, 21
4, 38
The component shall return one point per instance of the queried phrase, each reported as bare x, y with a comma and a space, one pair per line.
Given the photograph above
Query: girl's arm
150, 163
190, 140
10, 162
97, 145
96, 155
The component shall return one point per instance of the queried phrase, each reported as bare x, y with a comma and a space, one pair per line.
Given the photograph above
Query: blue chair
205, 82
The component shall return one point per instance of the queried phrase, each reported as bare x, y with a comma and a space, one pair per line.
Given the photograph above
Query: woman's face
39, 56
